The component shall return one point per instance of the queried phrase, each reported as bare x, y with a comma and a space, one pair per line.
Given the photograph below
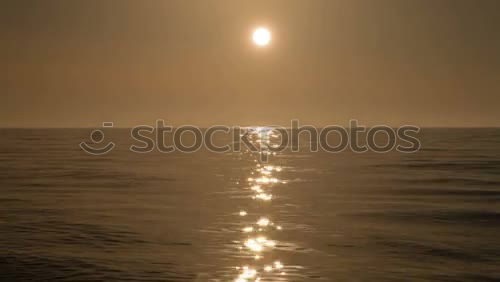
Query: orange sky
78, 63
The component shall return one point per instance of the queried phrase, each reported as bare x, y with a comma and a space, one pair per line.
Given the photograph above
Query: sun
261, 36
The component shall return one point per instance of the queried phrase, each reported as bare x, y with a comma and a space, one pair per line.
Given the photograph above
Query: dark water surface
69, 216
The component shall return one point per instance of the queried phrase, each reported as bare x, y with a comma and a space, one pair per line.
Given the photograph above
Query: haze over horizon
79, 63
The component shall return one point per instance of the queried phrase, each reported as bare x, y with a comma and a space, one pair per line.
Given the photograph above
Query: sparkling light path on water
256, 242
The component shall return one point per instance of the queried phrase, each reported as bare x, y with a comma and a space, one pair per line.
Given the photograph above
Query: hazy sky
78, 63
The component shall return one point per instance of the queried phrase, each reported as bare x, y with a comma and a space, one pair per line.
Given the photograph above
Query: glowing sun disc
261, 36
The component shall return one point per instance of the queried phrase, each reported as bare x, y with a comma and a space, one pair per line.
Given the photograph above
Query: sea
66, 215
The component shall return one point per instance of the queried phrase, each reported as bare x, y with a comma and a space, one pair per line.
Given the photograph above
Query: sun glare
261, 36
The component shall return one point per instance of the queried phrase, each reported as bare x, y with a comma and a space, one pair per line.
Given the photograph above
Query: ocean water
65, 215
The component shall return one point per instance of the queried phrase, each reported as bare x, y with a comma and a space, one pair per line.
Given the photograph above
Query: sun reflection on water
263, 178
